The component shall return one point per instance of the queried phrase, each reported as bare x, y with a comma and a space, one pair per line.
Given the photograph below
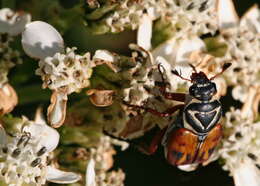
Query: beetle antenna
193, 68
175, 72
161, 71
224, 68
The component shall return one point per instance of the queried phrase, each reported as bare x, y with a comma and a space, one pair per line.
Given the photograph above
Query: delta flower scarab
193, 136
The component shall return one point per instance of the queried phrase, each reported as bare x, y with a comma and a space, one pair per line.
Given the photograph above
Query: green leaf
215, 47
100, 12
162, 31
32, 93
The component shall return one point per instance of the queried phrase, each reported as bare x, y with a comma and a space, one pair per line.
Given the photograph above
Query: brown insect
192, 138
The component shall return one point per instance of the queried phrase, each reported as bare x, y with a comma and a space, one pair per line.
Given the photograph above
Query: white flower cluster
68, 71
193, 17
138, 82
240, 148
11, 24
26, 153
62, 72
240, 41
101, 160
186, 16
140, 77
8, 57
243, 44
130, 13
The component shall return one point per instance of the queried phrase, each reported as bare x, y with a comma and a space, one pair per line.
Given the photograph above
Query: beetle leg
169, 95
166, 113
173, 96
153, 146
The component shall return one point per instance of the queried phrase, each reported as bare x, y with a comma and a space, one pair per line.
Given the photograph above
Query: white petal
252, 18
240, 93
189, 167
167, 50
165, 64
227, 16
20, 23
250, 108
178, 55
40, 40
12, 22
179, 51
104, 55
4, 24
90, 173
58, 176
39, 118
246, 174
47, 136
144, 33
188, 46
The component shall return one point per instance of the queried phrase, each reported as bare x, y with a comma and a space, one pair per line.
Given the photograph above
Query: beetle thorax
200, 116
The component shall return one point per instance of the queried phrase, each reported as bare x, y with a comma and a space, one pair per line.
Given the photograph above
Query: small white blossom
11, 24
240, 148
186, 16
131, 13
100, 161
144, 33
65, 71
243, 43
24, 155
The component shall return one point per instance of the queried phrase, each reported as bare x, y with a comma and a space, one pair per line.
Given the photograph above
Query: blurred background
66, 17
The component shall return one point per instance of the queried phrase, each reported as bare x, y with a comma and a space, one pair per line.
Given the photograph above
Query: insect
193, 136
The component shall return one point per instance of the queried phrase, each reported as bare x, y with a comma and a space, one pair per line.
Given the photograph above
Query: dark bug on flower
193, 136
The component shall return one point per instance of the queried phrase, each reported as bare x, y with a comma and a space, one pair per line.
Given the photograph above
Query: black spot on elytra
188, 157
177, 155
210, 151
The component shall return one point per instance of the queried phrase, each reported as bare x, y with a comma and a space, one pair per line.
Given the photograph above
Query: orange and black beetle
192, 138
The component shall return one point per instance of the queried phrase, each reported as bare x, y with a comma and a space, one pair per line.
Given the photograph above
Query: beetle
193, 136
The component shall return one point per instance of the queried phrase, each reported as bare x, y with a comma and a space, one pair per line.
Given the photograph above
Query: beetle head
202, 88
